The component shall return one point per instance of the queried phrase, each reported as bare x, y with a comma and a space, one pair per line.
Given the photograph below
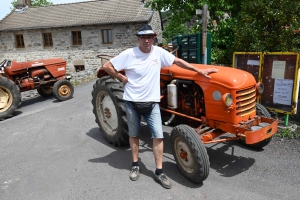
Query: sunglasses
147, 37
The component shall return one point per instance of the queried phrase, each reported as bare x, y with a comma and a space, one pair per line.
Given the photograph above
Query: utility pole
204, 33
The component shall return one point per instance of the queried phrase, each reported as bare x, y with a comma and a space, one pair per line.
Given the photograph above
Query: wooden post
204, 33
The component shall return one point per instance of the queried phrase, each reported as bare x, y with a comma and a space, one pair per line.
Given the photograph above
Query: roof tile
77, 14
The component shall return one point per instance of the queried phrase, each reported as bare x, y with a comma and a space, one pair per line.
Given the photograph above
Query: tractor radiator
245, 101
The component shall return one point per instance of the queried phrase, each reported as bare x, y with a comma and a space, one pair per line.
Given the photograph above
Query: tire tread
116, 90
15, 90
198, 149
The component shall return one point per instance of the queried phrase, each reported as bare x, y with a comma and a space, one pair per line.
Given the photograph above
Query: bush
267, 26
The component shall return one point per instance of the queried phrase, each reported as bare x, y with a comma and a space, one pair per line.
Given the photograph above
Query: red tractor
47, 76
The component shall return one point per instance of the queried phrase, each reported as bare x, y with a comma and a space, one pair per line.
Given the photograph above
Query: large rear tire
109, 110
10, 97
63, 90
190, 153
260, 111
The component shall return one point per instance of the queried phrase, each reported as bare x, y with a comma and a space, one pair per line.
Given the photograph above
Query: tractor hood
45, 62
228, 77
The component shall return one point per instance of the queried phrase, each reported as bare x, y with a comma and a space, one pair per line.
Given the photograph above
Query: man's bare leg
134, 145
158, 146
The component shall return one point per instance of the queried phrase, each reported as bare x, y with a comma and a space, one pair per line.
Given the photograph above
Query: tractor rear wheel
190, 153
45, 91
260, 111
109, 110
63, 90
10, 97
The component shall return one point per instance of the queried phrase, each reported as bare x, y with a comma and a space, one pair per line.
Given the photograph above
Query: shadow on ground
226, 164
32, 101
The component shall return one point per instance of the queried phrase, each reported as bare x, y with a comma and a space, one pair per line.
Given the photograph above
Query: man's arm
109, 68
185, 65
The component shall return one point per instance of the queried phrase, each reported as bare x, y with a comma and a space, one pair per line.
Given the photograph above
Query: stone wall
156, 26
123, 38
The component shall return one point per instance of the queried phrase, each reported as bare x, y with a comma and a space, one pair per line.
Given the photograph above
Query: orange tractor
200, 110
47, 76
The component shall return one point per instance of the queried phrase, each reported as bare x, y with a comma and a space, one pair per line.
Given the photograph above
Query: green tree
34, 3
183, 11
256, 25
268, 26
173, 29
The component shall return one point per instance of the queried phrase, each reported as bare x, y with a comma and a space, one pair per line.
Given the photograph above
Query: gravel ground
29, 94
293, 144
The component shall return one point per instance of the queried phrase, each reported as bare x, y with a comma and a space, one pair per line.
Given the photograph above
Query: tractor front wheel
190, 153
63, 90
10, 97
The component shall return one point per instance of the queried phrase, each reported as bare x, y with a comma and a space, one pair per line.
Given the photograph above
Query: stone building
76, 32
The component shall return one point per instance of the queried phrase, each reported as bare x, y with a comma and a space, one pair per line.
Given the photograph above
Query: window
79, 68
107, 36
47, 39
76, 36
19, 41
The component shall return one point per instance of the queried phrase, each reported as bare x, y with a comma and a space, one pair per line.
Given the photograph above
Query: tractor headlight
217, 95
260, 88
227, 99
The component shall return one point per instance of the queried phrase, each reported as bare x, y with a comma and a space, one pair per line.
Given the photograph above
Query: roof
77, 14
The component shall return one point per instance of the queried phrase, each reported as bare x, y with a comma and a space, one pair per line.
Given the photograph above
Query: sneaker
134, 173
163, 180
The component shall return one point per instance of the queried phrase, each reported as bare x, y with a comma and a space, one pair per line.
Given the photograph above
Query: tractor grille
245, 101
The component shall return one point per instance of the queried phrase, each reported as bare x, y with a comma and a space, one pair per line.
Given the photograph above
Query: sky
5, 5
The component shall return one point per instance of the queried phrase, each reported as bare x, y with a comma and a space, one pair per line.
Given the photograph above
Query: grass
291, 132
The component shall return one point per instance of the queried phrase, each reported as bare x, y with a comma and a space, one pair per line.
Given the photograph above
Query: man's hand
109, 68
205, 72
185, 65
123, 79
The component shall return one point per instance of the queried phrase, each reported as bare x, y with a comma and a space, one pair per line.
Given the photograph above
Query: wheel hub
184, 156
64, 90
4, 99
107, 113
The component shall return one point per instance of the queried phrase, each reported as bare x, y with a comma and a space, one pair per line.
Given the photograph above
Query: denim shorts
153, 121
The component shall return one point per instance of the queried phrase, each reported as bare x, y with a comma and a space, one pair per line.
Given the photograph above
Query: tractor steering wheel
2, 63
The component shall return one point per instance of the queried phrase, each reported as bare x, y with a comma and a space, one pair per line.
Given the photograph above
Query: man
142, 84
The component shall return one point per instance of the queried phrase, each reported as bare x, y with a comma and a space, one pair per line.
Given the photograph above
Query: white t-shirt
143, 72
